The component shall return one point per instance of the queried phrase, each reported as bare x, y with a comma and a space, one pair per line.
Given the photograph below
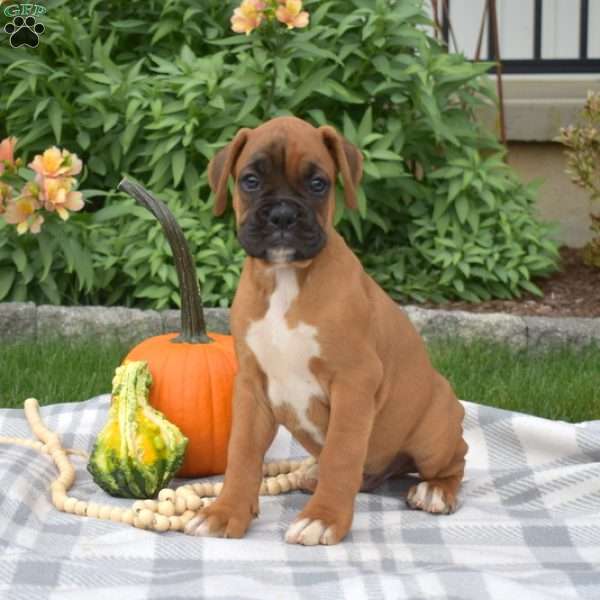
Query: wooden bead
161, 523
166, 508
203, 489
66, 479
272, 487
284, 466
283, 482
151, 505
181, 504
69, 505
52, 440
137, 506
115, 514
193, 502
57, 487
217, 487
272, 469
104, 512
175, 523
93, 509
146, 517
58, 499
188, 515
166, 494
127, 516
80, 507
263, 488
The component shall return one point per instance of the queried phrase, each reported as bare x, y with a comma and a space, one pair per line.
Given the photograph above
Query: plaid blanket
528, 527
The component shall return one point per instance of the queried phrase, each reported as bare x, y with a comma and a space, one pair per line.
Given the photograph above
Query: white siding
594, 34
560, 28
515, 22
465, 16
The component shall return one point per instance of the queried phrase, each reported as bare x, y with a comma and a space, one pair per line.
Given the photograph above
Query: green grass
57, 371
558, 384
562, 383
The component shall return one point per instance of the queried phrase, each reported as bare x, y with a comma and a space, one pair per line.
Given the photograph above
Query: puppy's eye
250, 182
318, 185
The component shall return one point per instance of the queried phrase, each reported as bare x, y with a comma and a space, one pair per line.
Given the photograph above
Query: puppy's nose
283, 215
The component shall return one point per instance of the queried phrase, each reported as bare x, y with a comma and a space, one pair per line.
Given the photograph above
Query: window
535, 36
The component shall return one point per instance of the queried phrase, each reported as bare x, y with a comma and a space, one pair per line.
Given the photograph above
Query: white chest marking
284, 353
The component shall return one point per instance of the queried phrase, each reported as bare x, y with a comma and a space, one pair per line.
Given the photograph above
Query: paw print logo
24, 32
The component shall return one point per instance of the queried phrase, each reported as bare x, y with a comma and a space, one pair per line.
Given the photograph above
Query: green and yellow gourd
138, 451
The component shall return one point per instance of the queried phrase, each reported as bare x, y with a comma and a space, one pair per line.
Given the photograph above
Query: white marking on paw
192, 525
291, 535
428, 498
437, 504
284, 353
199, 526
309, 533
328, 537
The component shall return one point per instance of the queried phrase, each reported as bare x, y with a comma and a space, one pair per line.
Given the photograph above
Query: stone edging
26, 321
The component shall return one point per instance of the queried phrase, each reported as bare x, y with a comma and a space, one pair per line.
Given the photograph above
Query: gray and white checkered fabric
528, 528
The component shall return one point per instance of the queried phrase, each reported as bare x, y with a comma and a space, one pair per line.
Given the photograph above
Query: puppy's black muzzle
283, 215
282, 223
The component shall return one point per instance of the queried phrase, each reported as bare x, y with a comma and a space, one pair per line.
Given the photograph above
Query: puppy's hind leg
438, 491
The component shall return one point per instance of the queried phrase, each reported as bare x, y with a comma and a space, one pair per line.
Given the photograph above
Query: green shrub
135, 261
118, 255
154, 88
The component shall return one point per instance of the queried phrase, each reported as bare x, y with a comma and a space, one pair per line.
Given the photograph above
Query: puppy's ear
221, 167
348, 160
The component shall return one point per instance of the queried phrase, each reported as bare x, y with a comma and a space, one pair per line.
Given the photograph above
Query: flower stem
193, 324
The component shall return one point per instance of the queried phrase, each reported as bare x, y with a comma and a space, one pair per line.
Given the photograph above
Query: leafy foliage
153, 89
135, 260
583, 165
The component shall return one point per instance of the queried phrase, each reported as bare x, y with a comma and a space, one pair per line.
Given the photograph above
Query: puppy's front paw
220, 520
318, 526
431, 498
309, 532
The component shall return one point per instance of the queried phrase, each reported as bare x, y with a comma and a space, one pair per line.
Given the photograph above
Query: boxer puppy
322, 349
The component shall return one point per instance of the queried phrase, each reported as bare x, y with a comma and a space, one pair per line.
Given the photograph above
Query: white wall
560, 28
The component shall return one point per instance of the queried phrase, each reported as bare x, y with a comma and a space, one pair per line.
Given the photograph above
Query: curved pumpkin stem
193, 324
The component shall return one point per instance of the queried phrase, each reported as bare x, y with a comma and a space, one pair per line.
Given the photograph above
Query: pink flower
248, 16
22, 211
290, 12
55, 163
57, 195
7, 153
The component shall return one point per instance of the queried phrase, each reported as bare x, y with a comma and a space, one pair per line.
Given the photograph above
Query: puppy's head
284, 198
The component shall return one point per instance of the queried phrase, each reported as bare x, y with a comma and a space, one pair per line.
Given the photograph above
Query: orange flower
57, 195
290, 12
22, 211
55, 163
7, 153
248, 16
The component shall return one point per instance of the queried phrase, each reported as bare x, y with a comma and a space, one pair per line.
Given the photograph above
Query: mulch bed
574, 291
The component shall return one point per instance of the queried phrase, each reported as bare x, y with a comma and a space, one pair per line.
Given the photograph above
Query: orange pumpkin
192, 372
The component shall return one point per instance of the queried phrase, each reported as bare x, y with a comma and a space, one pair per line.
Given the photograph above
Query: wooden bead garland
173, 508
